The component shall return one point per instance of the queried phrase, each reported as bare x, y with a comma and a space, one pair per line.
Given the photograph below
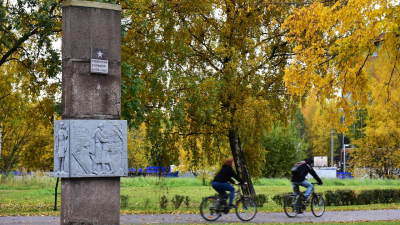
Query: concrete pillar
87, 95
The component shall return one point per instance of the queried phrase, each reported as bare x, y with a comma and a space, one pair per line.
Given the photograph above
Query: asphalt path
333, 216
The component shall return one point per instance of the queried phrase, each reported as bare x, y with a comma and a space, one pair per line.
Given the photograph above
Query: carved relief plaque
90, 148
61, 148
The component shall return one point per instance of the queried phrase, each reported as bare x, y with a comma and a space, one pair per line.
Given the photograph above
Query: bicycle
295, 205
211, 208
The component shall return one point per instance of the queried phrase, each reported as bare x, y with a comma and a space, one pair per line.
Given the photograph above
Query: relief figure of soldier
62, 146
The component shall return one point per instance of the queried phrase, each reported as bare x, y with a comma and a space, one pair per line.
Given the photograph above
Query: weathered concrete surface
335, 216
86, 95
88, 25
90, 200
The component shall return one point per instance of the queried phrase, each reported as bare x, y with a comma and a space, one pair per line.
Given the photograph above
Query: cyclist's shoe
300, 212
306, 199
232, 206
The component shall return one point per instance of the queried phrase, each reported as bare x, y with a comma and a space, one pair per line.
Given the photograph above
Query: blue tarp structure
16, 173
156, 169
153, 170
175, 174
134, 170
344, 175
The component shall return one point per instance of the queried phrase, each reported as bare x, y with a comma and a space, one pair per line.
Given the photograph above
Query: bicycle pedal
231, 206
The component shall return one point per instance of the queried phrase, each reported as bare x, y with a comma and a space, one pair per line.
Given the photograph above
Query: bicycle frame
237, 193
212, 207
295, 202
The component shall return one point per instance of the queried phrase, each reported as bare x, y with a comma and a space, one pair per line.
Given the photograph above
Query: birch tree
211, 72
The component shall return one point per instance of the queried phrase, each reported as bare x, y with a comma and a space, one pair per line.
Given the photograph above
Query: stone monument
90, 142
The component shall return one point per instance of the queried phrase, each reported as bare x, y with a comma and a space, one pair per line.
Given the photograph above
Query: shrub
187, 201
367, 197
396, 195
177, 201
387, 195
340, 197
280, 198
124, 201
260, 199
332, 198
377, 196
163, 202
146, 202
364, 197
347, 197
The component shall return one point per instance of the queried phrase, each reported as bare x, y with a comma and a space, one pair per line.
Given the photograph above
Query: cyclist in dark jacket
299, 172
220, 182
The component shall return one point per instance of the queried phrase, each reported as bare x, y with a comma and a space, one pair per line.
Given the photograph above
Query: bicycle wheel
208, 209
246, 208
291, 210
317, 205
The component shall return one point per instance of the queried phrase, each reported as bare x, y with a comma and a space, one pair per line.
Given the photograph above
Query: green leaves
206, 68
29, 66
283, 145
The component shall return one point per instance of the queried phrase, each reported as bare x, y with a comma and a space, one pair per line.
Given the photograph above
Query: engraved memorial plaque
99, 61
97, 148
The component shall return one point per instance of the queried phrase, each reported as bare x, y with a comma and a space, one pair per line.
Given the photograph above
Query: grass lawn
35, 195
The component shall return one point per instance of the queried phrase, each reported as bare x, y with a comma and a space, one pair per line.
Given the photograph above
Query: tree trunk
240, 162
1, 135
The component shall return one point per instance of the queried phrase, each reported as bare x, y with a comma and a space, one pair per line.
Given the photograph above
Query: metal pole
344, 158
55, 200
332, 148
342, 120
341, 152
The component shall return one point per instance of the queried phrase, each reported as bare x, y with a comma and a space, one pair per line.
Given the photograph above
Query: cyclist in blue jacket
220, 182
299, 172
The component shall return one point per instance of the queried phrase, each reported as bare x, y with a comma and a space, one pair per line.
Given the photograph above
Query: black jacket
302, 171
226, 174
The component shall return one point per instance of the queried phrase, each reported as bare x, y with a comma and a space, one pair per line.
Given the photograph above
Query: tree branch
17, 45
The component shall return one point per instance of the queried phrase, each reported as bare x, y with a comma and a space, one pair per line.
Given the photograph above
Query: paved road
337, 216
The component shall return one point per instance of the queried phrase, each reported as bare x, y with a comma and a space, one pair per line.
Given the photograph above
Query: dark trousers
221, 188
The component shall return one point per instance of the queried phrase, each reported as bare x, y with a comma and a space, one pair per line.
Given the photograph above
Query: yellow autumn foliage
378, 154
332, 46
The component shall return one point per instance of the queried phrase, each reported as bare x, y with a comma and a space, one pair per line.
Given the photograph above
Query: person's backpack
296, 167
